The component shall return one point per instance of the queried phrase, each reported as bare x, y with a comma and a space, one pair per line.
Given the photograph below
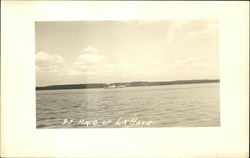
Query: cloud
192, 32
125, 66
184, 62
94, 67
90, 62
191, 63
89, 58
193, 68
48, 63
119, 67
80, 73
86, 63
90, 49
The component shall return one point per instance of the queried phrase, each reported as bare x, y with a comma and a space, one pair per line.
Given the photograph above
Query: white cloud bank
48, 63
89, 62
89, 58
91, 66
86, 63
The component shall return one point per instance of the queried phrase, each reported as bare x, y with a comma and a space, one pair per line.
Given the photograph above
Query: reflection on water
190, 105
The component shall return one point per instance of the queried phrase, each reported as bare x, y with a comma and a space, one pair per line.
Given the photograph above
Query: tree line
127, 84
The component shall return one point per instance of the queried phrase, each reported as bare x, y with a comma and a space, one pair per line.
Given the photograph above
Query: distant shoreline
127, 84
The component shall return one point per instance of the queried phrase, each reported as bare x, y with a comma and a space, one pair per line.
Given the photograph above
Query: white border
19, 136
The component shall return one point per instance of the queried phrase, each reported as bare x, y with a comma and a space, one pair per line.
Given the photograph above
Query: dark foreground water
190, 105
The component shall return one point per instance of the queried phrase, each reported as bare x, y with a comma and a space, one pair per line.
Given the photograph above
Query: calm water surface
189, 105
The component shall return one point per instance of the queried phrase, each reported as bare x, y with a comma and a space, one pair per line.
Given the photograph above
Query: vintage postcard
124, 79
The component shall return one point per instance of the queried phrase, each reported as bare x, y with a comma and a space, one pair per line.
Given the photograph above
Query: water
190, 105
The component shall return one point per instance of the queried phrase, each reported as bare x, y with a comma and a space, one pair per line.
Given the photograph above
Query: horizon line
123, 82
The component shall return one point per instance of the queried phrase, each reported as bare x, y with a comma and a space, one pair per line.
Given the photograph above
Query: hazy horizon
81, 52
125, 82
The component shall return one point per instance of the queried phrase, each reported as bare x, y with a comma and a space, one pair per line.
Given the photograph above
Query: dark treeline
127, 84
73, 86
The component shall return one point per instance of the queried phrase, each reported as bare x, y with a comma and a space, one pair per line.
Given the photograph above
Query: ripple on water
168, 106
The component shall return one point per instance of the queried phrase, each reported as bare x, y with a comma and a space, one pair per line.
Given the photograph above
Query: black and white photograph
140, 79
127, 74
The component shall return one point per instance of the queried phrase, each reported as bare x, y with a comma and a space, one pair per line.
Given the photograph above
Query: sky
78, 52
